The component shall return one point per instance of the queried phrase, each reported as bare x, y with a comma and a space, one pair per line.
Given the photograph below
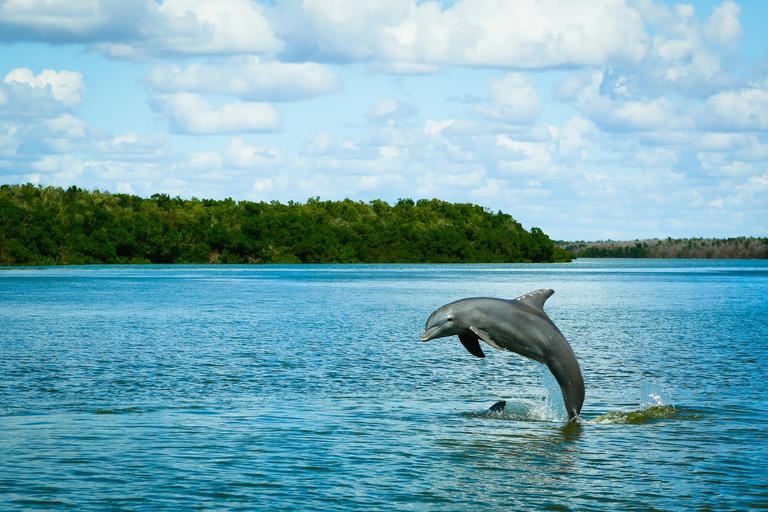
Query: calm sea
308, 388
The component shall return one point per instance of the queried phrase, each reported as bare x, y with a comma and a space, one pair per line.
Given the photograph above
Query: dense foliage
48, 226
707, 248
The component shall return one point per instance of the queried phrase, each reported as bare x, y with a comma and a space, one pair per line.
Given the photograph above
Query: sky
590, 119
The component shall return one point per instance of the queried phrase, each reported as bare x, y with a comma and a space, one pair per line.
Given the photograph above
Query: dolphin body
519, 325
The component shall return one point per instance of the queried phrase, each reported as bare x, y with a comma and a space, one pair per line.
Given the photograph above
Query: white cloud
573, 138
524, 158
200, 27
720, 164
405, 68
190, 113
124, 187
142, 29
649, 115
435, 128
653, 115
64, 167
600, 96
128, 147
65, 86
723, 27
714, 141
262, 184
207, 160
515, 100
67, 21
321, 143
522, 34
391, 109
68, 126
248, 78
239, 154
740, 109
655, 157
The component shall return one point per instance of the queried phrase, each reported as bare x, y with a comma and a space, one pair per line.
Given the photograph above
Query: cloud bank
589, 118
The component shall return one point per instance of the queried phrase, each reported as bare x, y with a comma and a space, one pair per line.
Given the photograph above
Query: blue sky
591, 119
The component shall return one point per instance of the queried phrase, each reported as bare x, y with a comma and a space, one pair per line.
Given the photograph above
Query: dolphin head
442, 323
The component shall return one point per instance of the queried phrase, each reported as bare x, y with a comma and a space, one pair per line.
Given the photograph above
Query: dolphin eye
450, 319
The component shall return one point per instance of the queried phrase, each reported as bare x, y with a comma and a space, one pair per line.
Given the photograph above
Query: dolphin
519, 325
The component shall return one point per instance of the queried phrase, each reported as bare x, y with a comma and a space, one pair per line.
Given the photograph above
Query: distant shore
697, 248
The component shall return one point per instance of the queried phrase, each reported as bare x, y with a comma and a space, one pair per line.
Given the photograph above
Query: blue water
308, 388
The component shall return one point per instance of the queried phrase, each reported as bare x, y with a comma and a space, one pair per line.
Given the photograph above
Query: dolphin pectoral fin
536, 299
485, 337
471, 344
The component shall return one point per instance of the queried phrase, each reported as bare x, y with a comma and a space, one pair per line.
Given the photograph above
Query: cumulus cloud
391, 109
36, 116
515, 100
523, 34
248, 78
21, 101
321, 143
723, 27
143, 29
24, 95
58, 21
739, 109
602, 98
190, 113
239, 154
129, 147
68, 126
65, 86
650, 115
574, 138
198, 27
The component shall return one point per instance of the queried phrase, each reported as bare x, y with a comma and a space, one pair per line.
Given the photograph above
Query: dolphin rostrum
519, 325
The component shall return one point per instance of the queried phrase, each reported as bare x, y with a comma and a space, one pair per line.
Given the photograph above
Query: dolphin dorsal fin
536, 299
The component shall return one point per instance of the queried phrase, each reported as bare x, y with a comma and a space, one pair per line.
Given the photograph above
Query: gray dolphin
519, 325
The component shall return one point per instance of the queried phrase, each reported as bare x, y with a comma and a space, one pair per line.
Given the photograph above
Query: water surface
307, 388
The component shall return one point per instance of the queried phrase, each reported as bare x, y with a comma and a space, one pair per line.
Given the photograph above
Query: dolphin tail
498, 406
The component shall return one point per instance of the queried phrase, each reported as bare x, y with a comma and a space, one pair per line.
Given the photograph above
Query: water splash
520, 410
655, 404
550, 407
652, 395
553, 406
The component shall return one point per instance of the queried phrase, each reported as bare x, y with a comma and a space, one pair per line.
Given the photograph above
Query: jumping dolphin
519, 325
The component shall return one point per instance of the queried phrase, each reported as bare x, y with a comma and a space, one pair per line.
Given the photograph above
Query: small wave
655, 404
648, 415
126, 410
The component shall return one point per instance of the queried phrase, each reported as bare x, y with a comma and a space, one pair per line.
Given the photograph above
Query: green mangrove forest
702, 248
52, 226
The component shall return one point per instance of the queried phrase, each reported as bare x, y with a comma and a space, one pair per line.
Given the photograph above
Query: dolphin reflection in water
519, 325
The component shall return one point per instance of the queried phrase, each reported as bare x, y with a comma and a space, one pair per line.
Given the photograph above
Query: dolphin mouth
429, 332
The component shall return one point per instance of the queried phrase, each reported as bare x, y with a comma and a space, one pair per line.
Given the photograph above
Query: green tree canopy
49, 226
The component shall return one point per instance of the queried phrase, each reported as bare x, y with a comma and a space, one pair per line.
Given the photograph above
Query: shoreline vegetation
52, 226
694, 248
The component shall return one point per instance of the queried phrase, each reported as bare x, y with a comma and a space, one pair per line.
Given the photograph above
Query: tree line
52, 226
702, 248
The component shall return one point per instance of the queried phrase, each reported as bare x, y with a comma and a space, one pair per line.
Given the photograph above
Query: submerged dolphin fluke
519, 325
497, 407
